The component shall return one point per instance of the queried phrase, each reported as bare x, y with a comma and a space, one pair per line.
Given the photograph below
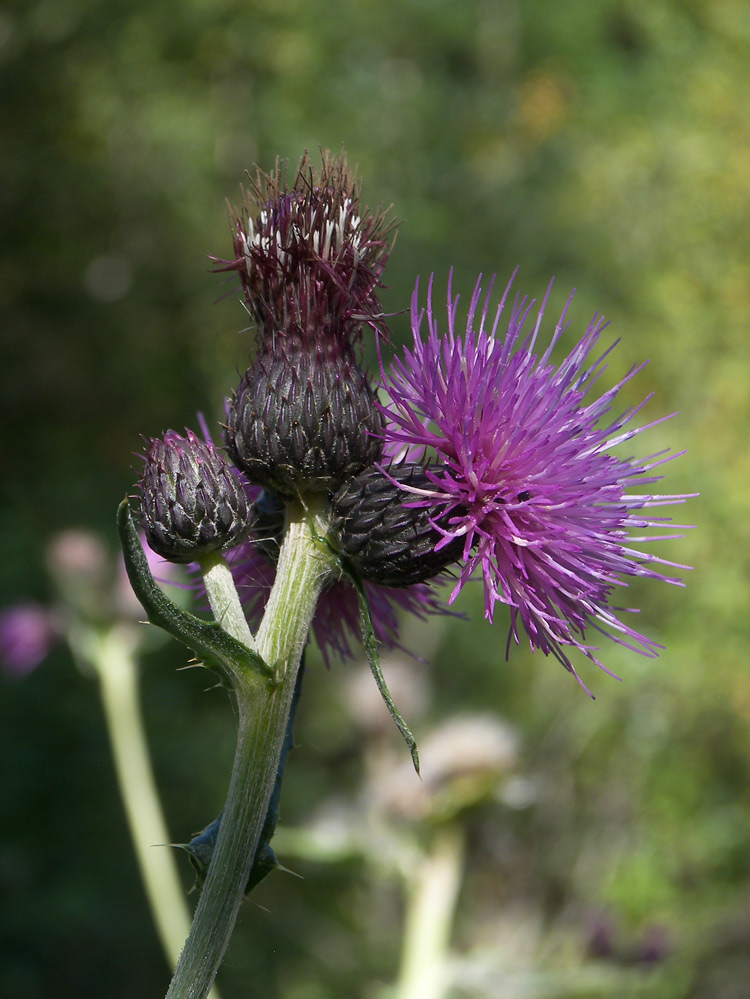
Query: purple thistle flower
528, 477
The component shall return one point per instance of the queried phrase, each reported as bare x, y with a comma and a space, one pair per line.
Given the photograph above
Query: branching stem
263, 706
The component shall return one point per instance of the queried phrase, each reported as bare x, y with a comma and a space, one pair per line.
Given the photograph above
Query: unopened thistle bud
304, 419
193, 502
382, 537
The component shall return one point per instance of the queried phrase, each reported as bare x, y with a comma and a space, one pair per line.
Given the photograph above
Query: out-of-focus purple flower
608, 942
27, 633
654, 945
528, 479
602, 932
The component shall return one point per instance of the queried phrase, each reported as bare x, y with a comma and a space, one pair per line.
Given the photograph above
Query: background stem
111, 653
431, 905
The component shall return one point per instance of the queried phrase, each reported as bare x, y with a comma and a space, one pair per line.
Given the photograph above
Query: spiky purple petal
529, 480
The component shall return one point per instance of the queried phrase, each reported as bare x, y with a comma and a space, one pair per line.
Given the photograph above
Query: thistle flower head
309, 255
192, 501
303, 420
522, 469
382, 536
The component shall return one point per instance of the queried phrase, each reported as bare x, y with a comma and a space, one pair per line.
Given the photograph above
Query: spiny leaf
207, 639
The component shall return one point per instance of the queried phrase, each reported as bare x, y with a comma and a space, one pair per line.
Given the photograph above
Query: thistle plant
330, 507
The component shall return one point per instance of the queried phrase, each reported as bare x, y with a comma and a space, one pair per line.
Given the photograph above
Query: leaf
207, 639
371, 648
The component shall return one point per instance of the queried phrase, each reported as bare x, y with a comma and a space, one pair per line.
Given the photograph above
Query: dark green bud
382, 538
304, 418
193, 502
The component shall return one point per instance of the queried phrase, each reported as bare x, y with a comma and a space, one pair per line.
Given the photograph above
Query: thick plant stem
263, 709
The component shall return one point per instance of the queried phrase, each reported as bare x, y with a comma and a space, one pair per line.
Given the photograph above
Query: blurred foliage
604, 141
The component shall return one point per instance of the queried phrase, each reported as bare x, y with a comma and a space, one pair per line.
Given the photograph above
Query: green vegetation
607, 143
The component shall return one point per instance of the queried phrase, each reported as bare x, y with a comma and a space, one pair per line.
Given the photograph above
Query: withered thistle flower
309, 255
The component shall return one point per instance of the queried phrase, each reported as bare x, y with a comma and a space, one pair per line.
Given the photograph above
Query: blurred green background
606, 143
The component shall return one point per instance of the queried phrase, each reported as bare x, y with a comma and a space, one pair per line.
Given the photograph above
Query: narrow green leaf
210, 643
371, 648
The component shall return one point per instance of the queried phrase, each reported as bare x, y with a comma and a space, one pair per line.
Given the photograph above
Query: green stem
224, 599
263, 709
111, 653
431, 905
